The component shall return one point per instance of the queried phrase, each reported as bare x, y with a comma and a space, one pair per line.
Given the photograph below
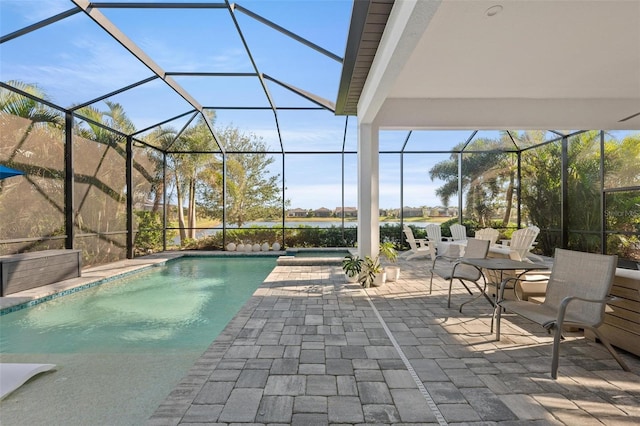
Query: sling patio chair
419, 247
451, 268
577, 295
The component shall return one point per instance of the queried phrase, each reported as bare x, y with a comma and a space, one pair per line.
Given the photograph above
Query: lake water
336, 223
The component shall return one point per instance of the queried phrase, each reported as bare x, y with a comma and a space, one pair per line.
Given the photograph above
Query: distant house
322, 212
412, 211
348, 212
296, 213
443, 212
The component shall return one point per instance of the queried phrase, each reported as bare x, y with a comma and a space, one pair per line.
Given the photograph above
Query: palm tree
195, 147
25, 107
39, 115
480, 179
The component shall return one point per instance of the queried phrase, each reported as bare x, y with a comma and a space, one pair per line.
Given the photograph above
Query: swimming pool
124, 343
318, 252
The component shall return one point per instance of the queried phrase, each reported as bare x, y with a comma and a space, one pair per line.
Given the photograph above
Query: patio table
499, 265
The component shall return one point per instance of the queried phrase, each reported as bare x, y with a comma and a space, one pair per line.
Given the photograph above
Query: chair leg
431, 282
555, 355
612, 351
450, 286
465, 286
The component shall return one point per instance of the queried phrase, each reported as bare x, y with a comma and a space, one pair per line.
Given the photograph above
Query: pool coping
290, 259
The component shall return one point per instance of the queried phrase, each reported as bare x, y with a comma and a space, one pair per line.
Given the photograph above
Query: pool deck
310, 349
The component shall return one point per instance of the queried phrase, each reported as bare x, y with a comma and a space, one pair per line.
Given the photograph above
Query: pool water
121, 347
319, 253
184, 304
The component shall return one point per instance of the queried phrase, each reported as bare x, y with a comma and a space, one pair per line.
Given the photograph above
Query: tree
541, 191
251, 192
16, 104
40, 115
480, 179
191, 159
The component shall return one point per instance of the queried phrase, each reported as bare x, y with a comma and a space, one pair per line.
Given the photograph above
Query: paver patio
310, 349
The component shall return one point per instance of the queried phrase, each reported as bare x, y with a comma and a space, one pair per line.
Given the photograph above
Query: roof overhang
532, 65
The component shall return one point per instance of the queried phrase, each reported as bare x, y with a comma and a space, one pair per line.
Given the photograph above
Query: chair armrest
449, 258
443, 257
421, 242
564, 304
503, 285
535, 278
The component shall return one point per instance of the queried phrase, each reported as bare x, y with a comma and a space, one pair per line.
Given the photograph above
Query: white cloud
33, 11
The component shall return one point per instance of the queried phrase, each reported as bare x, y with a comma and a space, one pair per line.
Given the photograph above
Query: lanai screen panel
390, 186
257, 125
622, 196
437, 140
32, 204
289, 60
392, 140
99, 194
218, 91
312, 131
542, 193
146, 104
17, 14
185, 40
420, 191
73, 61
148, 199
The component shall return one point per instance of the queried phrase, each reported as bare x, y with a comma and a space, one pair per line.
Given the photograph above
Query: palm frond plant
371, 267
389, 252
352, 266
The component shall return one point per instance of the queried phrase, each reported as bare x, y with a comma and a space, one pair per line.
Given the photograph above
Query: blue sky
75, 61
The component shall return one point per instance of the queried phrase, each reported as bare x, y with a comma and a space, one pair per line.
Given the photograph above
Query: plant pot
351, 278
380, 279
393, 273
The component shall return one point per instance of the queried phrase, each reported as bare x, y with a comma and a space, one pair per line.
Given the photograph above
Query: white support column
368, 190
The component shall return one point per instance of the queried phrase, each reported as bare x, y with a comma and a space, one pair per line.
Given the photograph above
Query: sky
74, 61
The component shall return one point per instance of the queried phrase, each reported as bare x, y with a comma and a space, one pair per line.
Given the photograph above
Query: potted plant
389, 252
372, 273
352, 266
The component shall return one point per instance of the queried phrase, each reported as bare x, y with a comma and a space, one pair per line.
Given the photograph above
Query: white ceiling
541, 64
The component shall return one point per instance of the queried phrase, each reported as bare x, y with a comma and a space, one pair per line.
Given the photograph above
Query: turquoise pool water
121, 347
184, 304
319, 253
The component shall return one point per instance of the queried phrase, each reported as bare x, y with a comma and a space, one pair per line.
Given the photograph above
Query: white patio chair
451, 268
419, 247
434, 236
577, 295
522, 242
458, 232
489, 234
